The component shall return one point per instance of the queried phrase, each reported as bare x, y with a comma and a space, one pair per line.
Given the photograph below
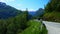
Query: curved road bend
52, 27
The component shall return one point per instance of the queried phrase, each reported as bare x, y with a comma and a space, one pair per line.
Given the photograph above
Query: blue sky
32, 5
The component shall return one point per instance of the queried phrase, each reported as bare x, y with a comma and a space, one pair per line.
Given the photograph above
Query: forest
14, 21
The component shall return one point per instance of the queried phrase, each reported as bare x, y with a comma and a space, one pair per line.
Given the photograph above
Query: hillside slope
52, 11
52, 16
7, 11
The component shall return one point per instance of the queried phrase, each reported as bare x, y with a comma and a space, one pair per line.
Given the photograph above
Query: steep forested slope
52, 11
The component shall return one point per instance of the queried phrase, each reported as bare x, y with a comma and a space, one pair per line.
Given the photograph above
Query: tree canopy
53, 5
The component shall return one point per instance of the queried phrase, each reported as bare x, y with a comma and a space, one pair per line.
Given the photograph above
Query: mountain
39, 12
7, 11
32, 13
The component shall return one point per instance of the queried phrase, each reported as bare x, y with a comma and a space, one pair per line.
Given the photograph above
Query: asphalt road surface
52, 27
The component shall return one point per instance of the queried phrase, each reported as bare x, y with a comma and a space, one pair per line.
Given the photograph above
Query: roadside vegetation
21, 24
35, 28
52, 11
14, 21
52, 16
13, 25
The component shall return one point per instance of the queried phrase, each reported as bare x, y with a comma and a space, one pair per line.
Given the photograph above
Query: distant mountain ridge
7, 11
32, 13
39, 12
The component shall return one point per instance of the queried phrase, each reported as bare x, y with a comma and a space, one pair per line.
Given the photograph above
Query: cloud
6, 0
31, 9
19, 5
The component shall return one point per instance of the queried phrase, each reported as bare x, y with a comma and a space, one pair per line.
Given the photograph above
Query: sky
32, 5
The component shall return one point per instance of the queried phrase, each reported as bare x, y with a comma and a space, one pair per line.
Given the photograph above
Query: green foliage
19, 24
34, 28
52, 16
44, 30
53, 5
2, 26
14, 25
52, 11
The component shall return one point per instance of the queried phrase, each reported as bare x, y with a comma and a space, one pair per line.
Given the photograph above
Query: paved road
52, 27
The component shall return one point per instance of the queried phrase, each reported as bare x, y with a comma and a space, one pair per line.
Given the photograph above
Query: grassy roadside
35, 28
